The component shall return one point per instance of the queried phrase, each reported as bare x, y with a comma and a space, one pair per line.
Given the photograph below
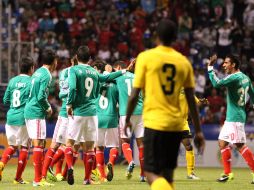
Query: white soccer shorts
17, 135
137, 126
60, 131
36, 128
108, 137
233, 132
83, 128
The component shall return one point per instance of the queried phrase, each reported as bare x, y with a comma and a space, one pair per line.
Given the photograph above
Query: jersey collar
24, 75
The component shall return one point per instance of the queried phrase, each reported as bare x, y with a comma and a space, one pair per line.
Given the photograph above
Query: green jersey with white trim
63, 91
37, 104
16, 96
238, 87
84, 88
125, 85
107, 106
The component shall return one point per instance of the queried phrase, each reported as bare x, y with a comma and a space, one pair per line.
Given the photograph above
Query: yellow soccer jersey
185, 108
161, 72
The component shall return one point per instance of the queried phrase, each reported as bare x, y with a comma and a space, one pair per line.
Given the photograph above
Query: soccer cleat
110, 173
50, 175
193, 176
20, 181
70, 176
59, 177
43, 182
142, 179
252, 174
226, 177
95, 175
130, 170
1, 170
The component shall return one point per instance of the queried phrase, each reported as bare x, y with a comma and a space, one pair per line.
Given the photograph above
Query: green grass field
241, 182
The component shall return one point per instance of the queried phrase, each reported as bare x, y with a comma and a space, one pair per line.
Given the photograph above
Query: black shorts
186, 134
161, 150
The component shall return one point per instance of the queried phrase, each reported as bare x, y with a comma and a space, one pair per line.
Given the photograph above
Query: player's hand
108, 68
70, 111
49, 111
127, 127
212, 60
131, 65
199, 142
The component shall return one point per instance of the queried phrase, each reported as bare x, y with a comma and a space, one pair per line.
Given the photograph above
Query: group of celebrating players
95, 101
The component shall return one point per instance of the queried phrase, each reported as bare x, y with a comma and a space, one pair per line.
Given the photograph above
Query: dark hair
48, 56
122, 64
26, 63
234, 59
166, 31
83, 54
99, 64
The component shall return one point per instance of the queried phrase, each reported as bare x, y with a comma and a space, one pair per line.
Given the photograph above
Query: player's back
125, 85
238, 85
107, 99
84, 80
16, 96
162, 72
63, 90
39, 91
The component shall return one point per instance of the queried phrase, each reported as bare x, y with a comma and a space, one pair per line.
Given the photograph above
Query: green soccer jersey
124, 85
16, 96
37, 104
64, 89
107, 106
84, 88
238, 87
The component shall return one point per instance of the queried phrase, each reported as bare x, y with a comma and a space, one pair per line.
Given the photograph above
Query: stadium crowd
120, 29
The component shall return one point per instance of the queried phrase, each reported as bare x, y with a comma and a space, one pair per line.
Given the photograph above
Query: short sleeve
140, 69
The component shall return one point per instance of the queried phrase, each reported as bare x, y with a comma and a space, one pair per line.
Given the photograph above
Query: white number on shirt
129, 85
88, 86
103, 101
16, 98
243, 96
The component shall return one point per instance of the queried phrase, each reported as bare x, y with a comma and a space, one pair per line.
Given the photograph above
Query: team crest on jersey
80, 71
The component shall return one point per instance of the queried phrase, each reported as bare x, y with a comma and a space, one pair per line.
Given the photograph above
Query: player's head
27, 65
119, 65
231, 64
166, 31
83, 54
99, 65
49, 57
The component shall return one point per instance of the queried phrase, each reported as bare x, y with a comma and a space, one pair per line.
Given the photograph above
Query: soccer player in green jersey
81, 109
37, 108
60, 131
107, 113
16, 95
238, 87
124, 85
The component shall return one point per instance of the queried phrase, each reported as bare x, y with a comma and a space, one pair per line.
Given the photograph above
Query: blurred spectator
216, 103
200, 83
46, 23
148, 5
224, 40
63, 52
248, 16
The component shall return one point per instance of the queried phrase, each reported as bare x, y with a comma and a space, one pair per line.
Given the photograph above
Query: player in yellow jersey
186, 141
160, 73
